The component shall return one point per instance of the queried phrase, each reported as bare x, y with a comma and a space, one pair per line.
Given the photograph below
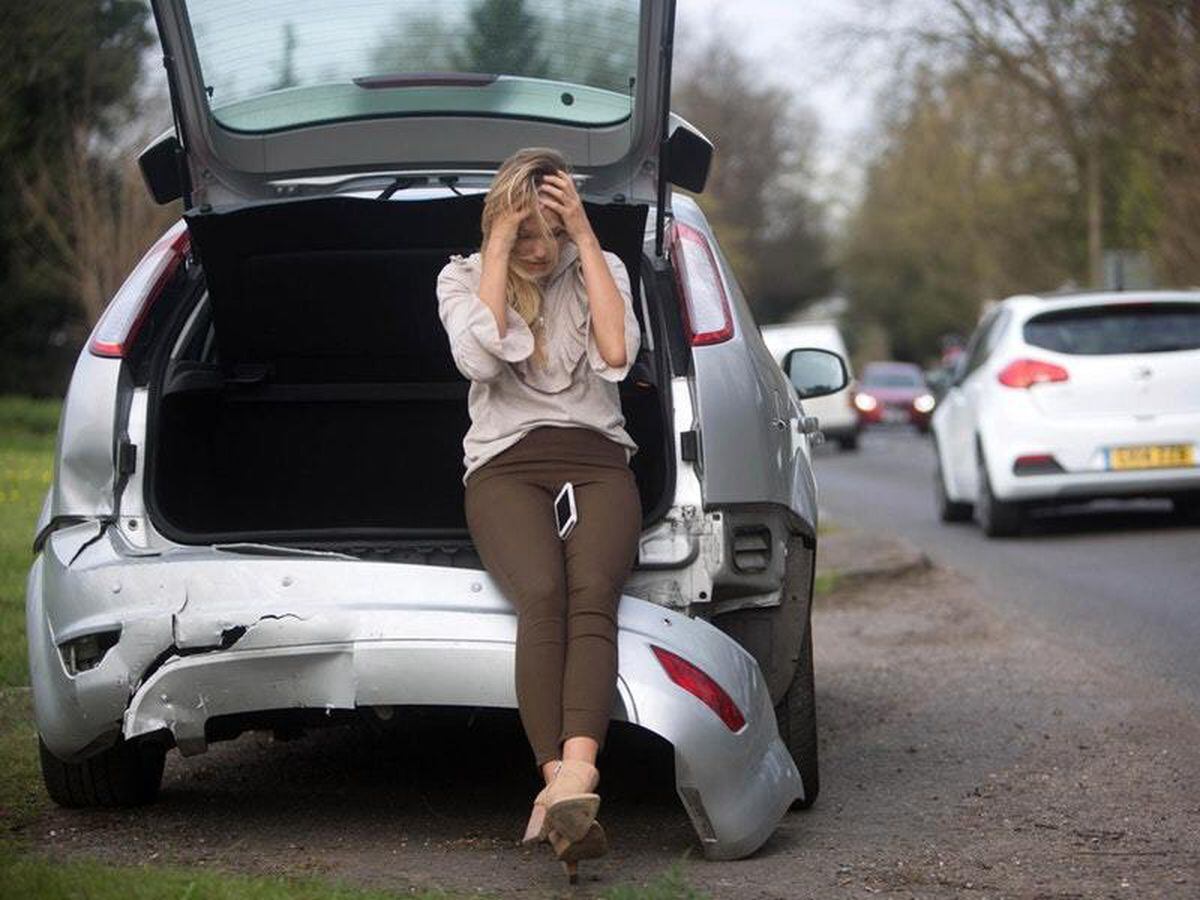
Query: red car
893, 392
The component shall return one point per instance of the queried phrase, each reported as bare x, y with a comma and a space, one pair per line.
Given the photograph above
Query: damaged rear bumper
202, 633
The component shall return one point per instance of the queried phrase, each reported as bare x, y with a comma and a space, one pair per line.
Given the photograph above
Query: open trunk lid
298, 96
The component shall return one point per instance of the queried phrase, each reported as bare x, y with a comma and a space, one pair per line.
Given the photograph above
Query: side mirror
815, 373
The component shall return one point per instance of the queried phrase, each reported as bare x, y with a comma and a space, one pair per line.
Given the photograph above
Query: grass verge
25, 876
27, 433
824, 583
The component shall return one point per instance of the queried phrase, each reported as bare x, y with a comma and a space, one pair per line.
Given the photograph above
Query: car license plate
895, 414
1152, 456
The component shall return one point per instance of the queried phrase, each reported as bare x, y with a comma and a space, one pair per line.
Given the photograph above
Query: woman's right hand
503, 233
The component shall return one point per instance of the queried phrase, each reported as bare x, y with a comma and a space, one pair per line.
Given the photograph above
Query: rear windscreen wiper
403, 183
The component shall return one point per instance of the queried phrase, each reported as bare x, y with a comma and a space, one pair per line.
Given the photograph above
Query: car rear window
1104, 330
275, 64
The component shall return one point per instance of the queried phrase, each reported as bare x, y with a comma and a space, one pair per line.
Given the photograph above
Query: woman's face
535, 251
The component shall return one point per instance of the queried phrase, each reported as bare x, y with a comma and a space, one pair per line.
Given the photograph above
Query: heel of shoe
592, 845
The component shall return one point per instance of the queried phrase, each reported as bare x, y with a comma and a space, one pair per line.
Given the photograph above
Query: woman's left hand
557, 192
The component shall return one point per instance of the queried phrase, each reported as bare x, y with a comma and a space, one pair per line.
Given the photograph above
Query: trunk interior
323, 404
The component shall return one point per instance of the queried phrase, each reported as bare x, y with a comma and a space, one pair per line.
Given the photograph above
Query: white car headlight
865, 402
924, 403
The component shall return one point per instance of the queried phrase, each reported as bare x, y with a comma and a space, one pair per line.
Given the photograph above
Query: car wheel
796, 716
848, 442
997, 518
948, 510
126, 774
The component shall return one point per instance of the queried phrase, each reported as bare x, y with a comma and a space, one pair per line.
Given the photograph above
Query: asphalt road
1123, 576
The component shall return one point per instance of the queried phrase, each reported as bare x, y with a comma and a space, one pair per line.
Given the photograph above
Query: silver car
256, 516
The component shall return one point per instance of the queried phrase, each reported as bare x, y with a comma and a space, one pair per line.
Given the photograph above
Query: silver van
256, 515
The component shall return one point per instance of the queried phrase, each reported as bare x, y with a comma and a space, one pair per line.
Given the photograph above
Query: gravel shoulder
963, 753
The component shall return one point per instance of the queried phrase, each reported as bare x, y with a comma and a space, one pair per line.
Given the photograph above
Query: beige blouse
510, 394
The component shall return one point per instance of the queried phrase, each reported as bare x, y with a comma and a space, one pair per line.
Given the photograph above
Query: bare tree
92, 217
1055, 51
967, 199
757, 196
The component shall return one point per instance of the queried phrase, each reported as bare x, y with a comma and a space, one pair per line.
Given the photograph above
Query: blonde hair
515, 187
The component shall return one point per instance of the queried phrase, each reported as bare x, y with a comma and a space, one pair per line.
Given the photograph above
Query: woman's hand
557, 192
503, 233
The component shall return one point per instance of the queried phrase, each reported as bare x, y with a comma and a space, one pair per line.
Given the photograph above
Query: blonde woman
541, 321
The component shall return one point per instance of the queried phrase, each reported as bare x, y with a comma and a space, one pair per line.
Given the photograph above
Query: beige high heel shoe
592, 845
568, 804
572, 801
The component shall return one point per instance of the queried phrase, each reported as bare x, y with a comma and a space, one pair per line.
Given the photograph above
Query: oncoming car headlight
924, 403
865, 402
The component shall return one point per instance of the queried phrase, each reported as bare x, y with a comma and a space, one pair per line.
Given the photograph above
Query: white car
835, 413
1071, 398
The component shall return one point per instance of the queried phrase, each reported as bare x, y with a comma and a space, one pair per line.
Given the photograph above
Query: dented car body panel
202, 632
84, 474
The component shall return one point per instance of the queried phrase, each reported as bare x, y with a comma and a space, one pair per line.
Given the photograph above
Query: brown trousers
565, 592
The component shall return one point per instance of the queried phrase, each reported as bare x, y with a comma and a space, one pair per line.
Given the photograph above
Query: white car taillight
705, 306
1024, 373
120, 321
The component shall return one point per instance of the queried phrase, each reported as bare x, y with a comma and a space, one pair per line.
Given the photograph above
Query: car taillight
702, 293
1023, 373
694, 681
118, 326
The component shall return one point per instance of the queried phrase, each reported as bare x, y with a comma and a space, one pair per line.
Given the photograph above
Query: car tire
948, 510
126, 774
848, 442
997, 518
796, 717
